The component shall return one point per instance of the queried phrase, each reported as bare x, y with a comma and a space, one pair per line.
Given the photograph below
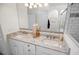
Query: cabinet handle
29, 50
28, 45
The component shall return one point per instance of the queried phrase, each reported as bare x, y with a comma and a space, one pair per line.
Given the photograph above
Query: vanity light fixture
26, 4
40, 5
35, 5
46, 4
30, 6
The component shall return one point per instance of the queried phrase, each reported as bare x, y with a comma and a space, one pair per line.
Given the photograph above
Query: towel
48, 24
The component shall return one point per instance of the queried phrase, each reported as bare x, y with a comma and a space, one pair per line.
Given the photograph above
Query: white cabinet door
29, 49
13, 47
25, 51
46, 51
21, 48
16, 47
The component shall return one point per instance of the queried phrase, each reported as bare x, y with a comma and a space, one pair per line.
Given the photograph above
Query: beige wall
8, 21
9, 18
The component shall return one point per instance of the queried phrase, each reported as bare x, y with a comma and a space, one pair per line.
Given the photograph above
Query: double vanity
23, 43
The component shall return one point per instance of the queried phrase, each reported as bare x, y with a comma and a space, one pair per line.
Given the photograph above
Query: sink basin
52, 42
20, 35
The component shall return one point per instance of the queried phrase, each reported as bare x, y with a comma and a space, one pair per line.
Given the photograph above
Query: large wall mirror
50, 17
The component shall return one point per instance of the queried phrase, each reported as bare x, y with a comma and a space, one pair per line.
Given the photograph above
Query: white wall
22, 15
8, 21
0, 40
2, 43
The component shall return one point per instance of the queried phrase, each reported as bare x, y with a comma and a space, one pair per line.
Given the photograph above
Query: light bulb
26, 4
35, 6
40, 5
30, 6
46, 4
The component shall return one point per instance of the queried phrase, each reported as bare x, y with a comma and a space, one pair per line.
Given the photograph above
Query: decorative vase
36, 30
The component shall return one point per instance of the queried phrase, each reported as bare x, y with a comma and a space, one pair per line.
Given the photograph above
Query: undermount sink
50, 41
23, 36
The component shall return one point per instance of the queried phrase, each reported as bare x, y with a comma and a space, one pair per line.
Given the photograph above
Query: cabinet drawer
13, 47
46, 51
29, 49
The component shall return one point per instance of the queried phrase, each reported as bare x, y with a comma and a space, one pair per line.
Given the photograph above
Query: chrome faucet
49, 36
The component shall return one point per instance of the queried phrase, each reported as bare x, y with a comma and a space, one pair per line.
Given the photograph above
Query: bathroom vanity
23, 43
47, 43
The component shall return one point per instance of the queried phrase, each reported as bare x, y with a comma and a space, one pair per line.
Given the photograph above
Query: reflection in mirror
49, 17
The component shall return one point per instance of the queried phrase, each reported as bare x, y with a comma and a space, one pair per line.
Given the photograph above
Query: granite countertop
42, 41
